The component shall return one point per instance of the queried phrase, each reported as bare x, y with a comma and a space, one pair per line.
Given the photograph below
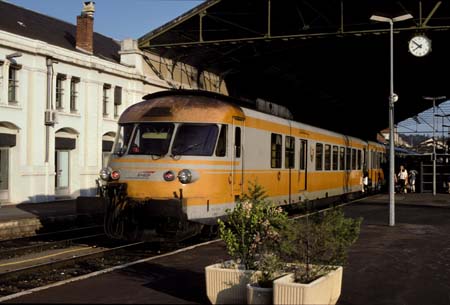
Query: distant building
62, 89
383, 137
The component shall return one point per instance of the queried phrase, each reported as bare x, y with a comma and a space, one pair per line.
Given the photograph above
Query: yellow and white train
182, 157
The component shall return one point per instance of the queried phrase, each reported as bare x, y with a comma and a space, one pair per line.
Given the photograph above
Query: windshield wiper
176, 153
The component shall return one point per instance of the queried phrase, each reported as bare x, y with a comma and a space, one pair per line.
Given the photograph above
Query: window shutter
118, 95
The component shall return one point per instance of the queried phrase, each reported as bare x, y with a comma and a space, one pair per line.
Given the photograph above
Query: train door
290, 165
302, 166
237, 158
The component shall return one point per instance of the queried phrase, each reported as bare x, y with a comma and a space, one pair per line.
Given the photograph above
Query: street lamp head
433, 98
380, 18
395, 19
402, 17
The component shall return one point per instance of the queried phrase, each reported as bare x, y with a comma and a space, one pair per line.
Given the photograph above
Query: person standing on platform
403, 179
412, 180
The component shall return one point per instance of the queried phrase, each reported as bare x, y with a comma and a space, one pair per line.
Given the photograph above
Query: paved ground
406, 264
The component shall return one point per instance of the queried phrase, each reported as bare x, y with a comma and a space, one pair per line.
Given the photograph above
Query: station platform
29, 219
408, 263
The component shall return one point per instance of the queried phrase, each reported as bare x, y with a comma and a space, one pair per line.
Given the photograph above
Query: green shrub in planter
252, 233
316, 244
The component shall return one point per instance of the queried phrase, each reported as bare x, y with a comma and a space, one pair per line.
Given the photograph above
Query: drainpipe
49, 121
49, 109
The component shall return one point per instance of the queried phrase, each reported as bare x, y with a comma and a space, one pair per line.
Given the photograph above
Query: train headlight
115, 175
105, 173
169, 176
185, 176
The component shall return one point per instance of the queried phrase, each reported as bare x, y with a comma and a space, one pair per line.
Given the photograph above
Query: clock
419, 45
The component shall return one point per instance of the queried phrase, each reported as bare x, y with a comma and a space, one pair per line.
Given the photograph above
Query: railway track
77, 263
61, 239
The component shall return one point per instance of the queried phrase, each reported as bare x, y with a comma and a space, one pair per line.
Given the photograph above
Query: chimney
85, 28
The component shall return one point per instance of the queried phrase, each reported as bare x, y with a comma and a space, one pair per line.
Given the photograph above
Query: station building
62, 90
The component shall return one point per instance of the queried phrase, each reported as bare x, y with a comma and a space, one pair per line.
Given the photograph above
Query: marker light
169, 176
115, 175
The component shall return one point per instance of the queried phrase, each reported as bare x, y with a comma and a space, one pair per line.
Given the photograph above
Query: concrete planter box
227, 285
324, 290
259, 295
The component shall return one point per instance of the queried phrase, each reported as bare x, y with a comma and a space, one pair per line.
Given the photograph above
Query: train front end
169, 174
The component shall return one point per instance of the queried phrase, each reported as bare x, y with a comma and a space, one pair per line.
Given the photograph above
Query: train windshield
195, 140
151, 139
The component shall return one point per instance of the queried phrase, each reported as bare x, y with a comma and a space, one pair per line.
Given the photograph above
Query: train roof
179, 105
264, 107
258, 104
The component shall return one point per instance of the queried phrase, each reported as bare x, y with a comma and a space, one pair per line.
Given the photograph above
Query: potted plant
252, 226
317, 250
269, 267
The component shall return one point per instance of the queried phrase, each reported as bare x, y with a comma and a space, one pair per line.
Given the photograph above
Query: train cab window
122, 139
319, 156
327, 157
348, 158
221, 149
276, 148
195, 140
303, 150
342, 158
335, 157
289, 157
151, 139
237, 142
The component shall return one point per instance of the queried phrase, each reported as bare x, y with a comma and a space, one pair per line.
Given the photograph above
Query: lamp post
392, 99
434, 98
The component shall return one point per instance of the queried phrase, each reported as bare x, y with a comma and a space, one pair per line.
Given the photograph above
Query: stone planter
227, 285
324, 290
259, 295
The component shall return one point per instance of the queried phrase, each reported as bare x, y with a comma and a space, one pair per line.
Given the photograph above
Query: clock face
419, 46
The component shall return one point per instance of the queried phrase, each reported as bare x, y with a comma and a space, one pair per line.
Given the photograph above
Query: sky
118, 19
423, 124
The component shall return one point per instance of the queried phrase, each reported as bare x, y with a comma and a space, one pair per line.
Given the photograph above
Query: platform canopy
323, 59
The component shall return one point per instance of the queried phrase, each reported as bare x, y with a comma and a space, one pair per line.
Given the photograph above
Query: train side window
221, 149
289, 157
348, 158
353, 158
335, 157
303, 149
237, 142
276, 148
359, 159
342, 158
327, 157
319, 156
